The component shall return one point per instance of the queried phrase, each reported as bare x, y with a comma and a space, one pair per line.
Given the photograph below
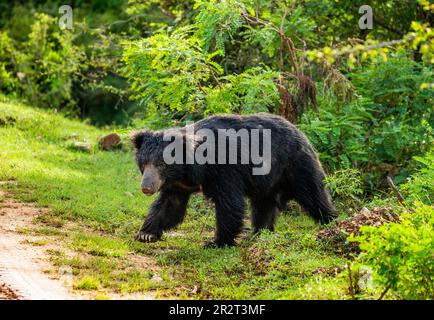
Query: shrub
8, 60
401, 254
394, 85
345, 186
217, 22
338, 134
171, 72
44, 67
402, 113
379, 134
420, 186
52, 63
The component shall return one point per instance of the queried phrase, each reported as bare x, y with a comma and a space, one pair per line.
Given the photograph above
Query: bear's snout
147, 191
151, 181
149, 185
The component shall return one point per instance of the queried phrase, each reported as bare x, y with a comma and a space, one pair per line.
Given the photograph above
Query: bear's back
253, 121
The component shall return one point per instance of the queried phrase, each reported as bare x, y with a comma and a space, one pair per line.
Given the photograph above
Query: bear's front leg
167, 211
150, 231
229, 217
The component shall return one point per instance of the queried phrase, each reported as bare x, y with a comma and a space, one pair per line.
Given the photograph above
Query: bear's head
157, 172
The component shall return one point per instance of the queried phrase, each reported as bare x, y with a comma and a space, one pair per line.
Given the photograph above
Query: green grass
87, 283
99, 193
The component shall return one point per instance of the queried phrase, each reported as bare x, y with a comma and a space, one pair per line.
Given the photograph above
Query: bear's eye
142, 167
145, 165
160, 164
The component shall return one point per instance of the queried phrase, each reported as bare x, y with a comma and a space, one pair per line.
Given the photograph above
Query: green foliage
422, 37
378, 134
345, 185
249, 92
395, 85
420, 186
417, 34
338, 20
169, 71
75, 70
403, 116
401, 253
46, 65
339, 134
217, 22
8, 81
52, 63
172, 72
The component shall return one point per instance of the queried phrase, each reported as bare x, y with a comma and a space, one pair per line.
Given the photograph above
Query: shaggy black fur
296, 173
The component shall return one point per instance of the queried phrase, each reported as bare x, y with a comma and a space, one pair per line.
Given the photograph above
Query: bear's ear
137, 138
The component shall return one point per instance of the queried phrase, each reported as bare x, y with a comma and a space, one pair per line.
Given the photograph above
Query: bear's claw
146, 237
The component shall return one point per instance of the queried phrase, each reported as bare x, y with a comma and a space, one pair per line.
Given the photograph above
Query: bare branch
396, 192
384, 292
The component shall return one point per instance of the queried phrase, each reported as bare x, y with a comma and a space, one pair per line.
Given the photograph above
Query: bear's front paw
143, 236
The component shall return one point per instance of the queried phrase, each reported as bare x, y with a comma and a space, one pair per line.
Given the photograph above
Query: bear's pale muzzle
151, 181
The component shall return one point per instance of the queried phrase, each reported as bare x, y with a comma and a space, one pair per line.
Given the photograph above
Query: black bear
290, 170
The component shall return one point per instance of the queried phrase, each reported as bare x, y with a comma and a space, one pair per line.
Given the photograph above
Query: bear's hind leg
167, 211
264, 213
229, 218
309, 189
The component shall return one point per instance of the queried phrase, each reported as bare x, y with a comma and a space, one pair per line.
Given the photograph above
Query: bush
8, 79
402, 112
172, 73
345, 186
380, 134
338, 133
420, 186
401, 254
44, 67
394, 85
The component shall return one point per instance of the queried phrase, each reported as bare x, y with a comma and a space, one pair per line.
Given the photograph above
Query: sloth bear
290, 171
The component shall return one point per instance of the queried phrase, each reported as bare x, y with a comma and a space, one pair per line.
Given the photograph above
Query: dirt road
23, 267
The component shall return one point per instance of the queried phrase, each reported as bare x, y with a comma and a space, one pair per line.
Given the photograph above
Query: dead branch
384, 293
350, 276
214, 76
396, 192
288, 41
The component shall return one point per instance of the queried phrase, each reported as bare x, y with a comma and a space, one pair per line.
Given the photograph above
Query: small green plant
345, 183
401, 254
87, 283
420, 185
346, 188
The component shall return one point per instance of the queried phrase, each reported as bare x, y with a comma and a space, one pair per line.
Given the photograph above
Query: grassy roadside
96, 207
